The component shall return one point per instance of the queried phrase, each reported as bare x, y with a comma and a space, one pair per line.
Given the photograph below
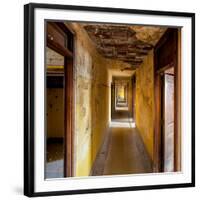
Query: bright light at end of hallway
122, 124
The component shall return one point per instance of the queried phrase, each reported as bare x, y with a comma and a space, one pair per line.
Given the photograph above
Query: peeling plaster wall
91, 101
145, 101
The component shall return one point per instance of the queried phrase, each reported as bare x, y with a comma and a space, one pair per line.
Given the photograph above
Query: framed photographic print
109, 99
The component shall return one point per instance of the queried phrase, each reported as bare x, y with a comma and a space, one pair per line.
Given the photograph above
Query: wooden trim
161, 70
57, 35
68, 161
70, 35
58, 48
133, 96
157, 128
112, 100
177, 139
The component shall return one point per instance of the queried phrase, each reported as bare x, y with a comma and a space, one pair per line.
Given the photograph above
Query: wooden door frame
68, 53
133, 96
112, 100
157, 160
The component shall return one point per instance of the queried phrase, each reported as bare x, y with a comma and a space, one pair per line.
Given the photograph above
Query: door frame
175, 61
67, 50
112, 100
133, 96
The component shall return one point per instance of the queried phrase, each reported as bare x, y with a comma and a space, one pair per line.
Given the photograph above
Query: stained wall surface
55, 112
91, 102
145, 101
92, 99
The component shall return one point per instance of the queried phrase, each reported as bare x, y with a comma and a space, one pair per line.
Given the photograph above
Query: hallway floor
123, 152
126, 153
122, 116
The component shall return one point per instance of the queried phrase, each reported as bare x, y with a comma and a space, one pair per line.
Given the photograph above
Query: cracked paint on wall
145, 102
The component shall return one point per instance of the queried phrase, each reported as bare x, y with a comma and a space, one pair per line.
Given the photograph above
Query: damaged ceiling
124, 42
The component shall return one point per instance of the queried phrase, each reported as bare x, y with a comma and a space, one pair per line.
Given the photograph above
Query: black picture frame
29, 20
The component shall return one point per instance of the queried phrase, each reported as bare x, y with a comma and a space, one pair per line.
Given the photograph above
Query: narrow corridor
111, 99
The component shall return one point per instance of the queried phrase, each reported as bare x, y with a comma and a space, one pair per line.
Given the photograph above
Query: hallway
112, 99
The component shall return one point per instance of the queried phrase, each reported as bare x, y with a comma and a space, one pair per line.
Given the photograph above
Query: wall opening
55, 114
59, 100
122, 100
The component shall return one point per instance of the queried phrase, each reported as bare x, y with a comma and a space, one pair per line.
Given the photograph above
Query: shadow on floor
55, 160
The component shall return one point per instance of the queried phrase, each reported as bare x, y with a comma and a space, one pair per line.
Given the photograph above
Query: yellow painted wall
55, 112
145, 101
91, 102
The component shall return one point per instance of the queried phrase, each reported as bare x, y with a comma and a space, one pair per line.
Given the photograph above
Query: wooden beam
59, 48
68, 117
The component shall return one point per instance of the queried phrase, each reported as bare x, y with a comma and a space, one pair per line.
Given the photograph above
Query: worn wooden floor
126, 153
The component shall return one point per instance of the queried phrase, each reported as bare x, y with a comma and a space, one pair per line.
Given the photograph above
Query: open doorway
54, 114
59, 100
167, 103
121, 99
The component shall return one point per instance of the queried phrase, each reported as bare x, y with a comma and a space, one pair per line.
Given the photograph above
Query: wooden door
168, 128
